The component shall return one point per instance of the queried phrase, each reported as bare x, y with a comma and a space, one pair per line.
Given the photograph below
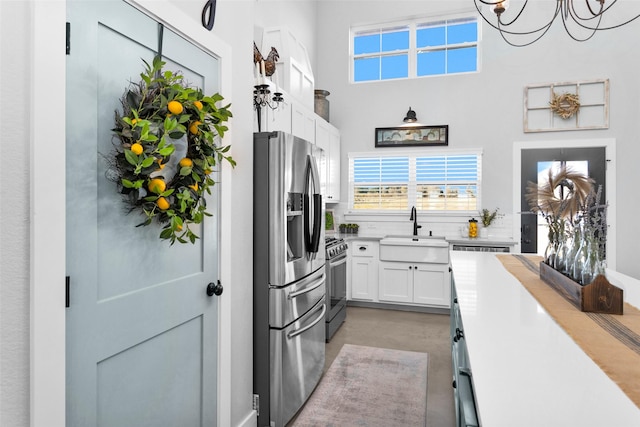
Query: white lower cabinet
363, 270
425, 284
432, 285
396, 281
417, 284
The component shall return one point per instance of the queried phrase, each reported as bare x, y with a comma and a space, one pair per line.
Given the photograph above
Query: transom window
430, 182
414, 48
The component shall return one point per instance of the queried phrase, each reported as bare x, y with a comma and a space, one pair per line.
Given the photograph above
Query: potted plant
487, 217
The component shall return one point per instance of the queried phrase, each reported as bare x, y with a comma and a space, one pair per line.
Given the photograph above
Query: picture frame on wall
402, 136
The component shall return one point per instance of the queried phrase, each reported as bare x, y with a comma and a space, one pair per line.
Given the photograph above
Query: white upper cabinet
328, 138
293, 69
303, 122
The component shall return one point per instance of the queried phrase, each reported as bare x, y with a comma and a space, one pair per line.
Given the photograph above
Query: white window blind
446, 182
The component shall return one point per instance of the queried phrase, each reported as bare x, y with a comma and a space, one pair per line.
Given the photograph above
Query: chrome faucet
414, 218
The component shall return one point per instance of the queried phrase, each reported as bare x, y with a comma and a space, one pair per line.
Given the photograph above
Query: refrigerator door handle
314, 285
297, 332
312, 237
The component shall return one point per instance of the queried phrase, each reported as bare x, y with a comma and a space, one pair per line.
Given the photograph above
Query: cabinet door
323, 141
333, 166
328, 138
396, 282
362, 279
303, 122
364, 270
431, 285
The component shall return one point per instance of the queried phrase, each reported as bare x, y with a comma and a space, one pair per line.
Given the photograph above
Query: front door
141, 330
536, 162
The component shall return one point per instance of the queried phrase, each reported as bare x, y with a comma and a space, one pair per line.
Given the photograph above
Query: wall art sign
579, 105
412, 136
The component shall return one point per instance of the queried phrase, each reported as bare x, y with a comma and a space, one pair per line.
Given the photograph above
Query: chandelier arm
500, 28
502, 33
580, 21
589, 7
574, 14
516, 17
593, 30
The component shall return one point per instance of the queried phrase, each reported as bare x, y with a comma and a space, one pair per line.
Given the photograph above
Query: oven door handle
340, 261
314, 285
297, 332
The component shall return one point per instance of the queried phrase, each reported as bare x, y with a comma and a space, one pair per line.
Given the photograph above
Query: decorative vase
571, 248
561, 253
321, 103
550, 253
589, 266
484, 233
581, 256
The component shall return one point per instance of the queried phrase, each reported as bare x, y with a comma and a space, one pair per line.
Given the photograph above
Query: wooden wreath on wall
565, 105
169, 136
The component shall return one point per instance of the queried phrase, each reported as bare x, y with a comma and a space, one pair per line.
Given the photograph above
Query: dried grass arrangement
562, 196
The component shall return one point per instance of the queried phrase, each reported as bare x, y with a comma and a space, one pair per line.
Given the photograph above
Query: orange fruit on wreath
194, 186
137, 149
160, 165
186, 162
175, 107
157, 185
198, 105
162, 203
194, 127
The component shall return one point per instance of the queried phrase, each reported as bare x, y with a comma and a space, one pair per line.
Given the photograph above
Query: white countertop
526, 370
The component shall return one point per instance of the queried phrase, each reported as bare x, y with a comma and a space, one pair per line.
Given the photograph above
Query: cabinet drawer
364, 249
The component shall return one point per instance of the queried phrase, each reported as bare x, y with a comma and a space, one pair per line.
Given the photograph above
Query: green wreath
168, 147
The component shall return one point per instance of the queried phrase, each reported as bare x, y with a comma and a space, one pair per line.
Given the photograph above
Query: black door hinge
68, 38
67, 280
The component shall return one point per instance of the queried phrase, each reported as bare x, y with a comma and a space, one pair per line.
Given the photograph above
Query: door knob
214, 289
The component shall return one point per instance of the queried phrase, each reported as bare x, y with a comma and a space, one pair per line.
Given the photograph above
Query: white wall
15, 63
485, 109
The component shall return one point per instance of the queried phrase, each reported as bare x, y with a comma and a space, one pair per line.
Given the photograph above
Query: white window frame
413, 24
412, 182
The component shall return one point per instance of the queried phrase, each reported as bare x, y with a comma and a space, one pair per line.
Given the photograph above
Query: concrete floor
403, 330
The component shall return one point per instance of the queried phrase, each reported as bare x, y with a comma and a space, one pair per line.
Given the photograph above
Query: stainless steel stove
336, 272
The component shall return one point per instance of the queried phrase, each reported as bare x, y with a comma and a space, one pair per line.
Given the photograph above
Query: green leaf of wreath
166, 233
167, 151
148, 162
131, 158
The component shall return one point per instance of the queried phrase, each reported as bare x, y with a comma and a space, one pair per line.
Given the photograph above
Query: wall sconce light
411, 116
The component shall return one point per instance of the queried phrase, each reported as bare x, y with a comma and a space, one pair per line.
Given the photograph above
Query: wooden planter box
599, 296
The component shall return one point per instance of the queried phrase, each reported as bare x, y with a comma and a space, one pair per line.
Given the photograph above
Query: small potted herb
487, 217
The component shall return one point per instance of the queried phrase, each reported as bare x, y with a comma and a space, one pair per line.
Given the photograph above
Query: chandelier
581, 21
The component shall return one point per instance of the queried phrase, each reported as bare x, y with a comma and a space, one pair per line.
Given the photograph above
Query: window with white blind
430, 182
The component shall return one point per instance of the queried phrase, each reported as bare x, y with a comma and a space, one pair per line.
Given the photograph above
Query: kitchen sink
427, 249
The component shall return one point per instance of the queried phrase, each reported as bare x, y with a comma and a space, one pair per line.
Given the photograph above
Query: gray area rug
367, 386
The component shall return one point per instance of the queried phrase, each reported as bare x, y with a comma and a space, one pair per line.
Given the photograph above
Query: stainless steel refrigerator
288, 275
